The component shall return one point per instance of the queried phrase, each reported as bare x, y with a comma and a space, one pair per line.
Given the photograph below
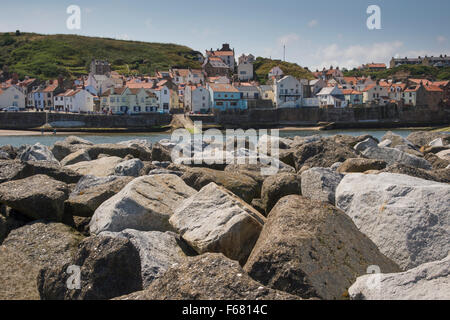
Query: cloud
313, 23
288, 39
355, 55
122, 37
441, 39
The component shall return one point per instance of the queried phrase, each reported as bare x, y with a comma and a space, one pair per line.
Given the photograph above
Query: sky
316, 34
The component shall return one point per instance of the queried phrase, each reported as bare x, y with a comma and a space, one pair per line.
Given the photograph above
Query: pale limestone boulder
145, 204
392, 156
102, 167
429, 281
320, 184
76, 157
406, 217
215, 220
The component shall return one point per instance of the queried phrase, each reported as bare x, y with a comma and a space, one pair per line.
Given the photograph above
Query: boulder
11, 170
241, 185
429, 281
445, 155
439, 142
145, 204
78, 156
130, 168
74, 140
363, 145
109, 266
322, 154
161, 153
37, 152
148, 166
121, 151
406, 217
409, 150
335, 166
10, 151
52, 170
350, 141
29, 248
100, 168
37, 197
386, 143
215, 220
207, 277
266, 142
392, 156
299, 140
436, 162
276, 187
4, 155
158, 251
313, 250
441, 175
85, 200
361, 165
396, 140
164, 171
320, 184
10, 220
423, 138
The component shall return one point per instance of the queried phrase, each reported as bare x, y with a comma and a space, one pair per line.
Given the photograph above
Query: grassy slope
404, 71
47, 56
262, 67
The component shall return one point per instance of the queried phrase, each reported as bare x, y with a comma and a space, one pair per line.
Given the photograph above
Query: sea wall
354, 117
32, 120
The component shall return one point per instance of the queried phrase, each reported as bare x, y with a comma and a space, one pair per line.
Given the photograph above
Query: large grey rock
241, 185
313, 250
361, 146
215, 220
130, 168
145, 204
100, 168
15, 169
320, 184
121, 151
109, 266
37, 197
29, 248
442, 175
396, 140
406, 217
361, 165
10, 151
323, 153
85, 200
78, 156
429, 281
161, 153
423, 138
276, 187
445, 155
37, 152
207, 277
158, 251
392, 156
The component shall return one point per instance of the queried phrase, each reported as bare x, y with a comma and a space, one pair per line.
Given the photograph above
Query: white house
12, 96
196, 76
375, 93
288, 92
276, 72
100, 83
331, 97
196, 99
316, 85
248, 91
163, 95
245, 67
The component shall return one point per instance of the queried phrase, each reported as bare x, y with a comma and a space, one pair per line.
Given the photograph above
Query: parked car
11, 109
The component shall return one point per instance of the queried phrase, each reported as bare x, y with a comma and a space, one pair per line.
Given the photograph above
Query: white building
163, 95
276, 72
101, 83
331, 97
12, 96
245, 67
196, 99
77, 101
288, 93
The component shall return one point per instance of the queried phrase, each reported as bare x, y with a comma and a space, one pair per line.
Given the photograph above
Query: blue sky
316, 33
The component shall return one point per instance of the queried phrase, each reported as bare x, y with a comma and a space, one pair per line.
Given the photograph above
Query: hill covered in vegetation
47, 56
403, 72
262, 67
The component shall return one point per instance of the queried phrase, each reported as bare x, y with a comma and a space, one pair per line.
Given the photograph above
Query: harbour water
49, 139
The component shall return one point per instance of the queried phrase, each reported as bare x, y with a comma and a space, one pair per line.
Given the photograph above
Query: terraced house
226, 97
128, 101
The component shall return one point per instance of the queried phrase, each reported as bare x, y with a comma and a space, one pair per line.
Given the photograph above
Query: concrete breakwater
32, 120
373, 117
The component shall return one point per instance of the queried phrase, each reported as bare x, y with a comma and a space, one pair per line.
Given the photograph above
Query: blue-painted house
226, 97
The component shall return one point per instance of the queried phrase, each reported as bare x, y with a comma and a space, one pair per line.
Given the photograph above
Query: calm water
50, 139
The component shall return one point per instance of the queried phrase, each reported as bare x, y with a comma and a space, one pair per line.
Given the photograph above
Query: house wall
12, 97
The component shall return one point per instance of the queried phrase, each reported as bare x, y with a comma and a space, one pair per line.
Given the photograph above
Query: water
49, 139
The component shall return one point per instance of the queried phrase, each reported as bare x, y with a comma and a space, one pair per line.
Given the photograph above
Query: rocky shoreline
142, 225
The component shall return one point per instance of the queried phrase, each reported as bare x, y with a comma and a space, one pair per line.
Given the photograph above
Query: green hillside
403, 72
262, 67
47, 56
